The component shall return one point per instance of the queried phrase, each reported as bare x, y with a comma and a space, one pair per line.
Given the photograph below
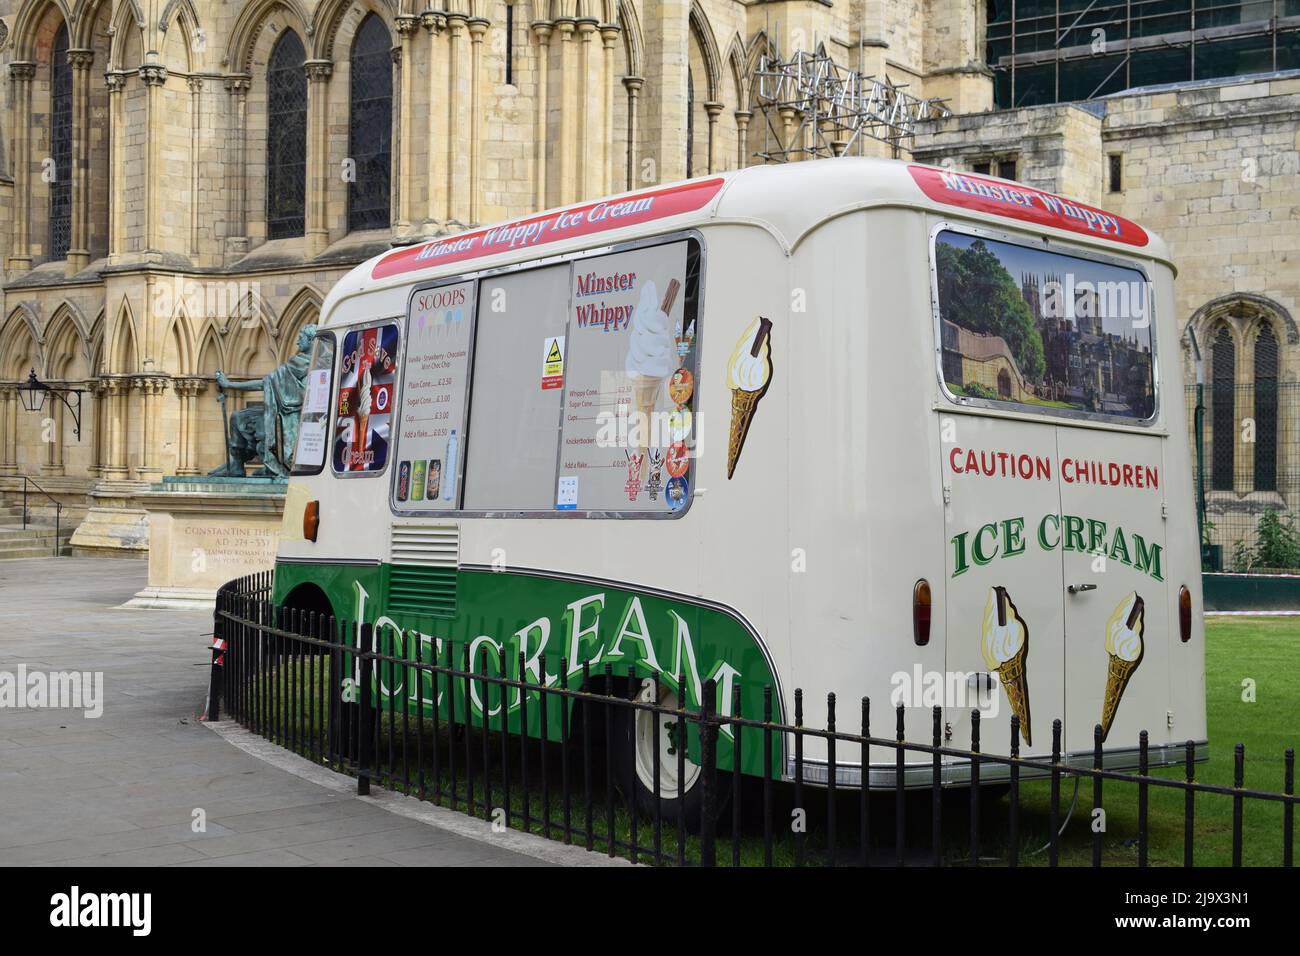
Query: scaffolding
1056, 51
814, 108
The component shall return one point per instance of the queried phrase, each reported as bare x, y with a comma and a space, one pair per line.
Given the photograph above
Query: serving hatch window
314, 420
1043, 330
564, 388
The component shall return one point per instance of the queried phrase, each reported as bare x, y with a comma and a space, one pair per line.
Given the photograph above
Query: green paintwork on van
508, 612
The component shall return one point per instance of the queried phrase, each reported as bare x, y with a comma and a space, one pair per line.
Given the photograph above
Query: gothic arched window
286, 138
1223, 423
1266, 410
370, 127
61, 146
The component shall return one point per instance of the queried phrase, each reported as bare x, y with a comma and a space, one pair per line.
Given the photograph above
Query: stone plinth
205, 531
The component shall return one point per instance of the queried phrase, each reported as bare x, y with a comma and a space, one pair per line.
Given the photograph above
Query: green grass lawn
1263, 650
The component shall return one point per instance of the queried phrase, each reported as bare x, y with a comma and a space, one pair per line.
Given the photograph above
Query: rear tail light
1184, 614
311, 520
921, 613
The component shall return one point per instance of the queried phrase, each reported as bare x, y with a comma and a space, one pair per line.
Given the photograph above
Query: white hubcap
668, 740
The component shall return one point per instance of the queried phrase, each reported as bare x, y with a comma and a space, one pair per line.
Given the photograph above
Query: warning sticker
553, 362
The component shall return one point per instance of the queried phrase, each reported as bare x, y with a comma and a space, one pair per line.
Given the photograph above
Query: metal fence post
215, 678
709, 795
365, 734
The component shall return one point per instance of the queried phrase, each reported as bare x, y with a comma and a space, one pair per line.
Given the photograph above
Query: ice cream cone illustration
1124, 650
749, 371
651, 355
1005, 646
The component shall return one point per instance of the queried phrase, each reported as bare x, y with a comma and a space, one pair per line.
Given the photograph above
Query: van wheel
679, 797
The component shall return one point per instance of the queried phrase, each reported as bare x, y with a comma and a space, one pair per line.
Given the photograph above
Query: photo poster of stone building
1034, 327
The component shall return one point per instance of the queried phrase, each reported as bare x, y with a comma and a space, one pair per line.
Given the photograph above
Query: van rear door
1003, 595
1117, 602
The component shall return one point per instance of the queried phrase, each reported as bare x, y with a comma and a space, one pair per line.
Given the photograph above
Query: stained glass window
286, 138
370, 128
61, 147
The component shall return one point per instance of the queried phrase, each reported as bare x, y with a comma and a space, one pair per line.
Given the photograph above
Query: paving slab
122, 789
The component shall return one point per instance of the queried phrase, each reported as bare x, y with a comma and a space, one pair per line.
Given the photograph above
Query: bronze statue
269, 431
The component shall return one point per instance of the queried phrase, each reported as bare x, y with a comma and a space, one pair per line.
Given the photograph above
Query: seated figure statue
269, 432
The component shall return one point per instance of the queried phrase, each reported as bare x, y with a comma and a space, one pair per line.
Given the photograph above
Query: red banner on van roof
584, 220
1024, 202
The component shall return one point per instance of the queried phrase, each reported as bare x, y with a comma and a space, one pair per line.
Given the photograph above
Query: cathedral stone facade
181, 181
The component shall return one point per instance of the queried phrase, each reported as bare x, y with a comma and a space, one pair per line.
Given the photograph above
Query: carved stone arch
65, 337
546, 10
129, 17
19, 329
1240, 310
329, 16
122, 355
21, 347
208, 335
633, 37
252, 21
738, 71
27, 23
253, 341
182, 10
84, 15
303, 309
181, 327
759, 46
703, 31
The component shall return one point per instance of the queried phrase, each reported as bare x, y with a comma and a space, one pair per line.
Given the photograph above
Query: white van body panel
845, 497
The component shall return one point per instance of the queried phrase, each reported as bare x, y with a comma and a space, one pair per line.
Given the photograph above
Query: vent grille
424, 562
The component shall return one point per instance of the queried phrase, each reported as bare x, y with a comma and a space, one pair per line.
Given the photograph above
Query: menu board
435, 386
362, 430
629, 384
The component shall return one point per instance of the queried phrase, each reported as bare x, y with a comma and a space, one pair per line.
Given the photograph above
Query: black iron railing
315, 685
58, 511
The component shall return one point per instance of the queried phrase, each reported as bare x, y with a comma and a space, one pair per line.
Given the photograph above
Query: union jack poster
362, 427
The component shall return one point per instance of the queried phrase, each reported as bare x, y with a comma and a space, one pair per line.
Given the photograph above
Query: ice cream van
853, 426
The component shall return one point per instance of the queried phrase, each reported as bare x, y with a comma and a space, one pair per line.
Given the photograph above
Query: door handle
1076, 588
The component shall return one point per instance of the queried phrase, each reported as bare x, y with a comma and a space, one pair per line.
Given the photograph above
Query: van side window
367, 373
314, 421
1049, 332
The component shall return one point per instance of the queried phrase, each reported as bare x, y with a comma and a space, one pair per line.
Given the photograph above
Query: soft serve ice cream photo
651, 353
1004, 644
